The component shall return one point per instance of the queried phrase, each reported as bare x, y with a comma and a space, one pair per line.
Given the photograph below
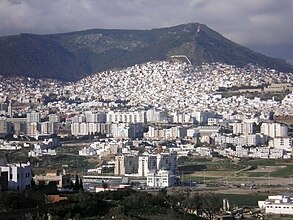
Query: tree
81, 185
76, 184
209, 205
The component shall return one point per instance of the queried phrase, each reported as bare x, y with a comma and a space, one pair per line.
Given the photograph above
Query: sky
262, 25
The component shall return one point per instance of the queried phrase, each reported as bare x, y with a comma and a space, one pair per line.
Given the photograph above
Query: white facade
126, 117
281, 205
177, 117
202, 117
243, 128
153, 116
48, 128
19, 176
95, 117
160, 179
146, 164
191, 132
242, 140
84, 128
204, 151
33, 128
44, 148
127, 130
274, 130
33, 117
285, 143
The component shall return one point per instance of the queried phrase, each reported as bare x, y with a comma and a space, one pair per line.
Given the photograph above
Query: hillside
71, 56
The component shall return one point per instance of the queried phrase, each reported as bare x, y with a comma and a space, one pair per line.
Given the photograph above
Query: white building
204, 151
33, 117
280, 204
101, 149
95, 117
191, 132
243, 128
156, 116
202, 117
285, 143
46, 147
126, 117
48, 128
146, 163
19, 175
33, 129
177, 117
160, 179
274, 130
242, 140
127, 130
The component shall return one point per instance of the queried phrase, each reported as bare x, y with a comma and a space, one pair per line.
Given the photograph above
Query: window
11, 176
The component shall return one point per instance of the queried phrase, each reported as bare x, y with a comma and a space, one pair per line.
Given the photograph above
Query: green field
283, 172
256, 174
215, 168
258, 162
65, 156
242, 200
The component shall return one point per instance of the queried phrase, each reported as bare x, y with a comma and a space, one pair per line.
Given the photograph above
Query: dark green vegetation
125, 204
20, 200
71, 56
261, 162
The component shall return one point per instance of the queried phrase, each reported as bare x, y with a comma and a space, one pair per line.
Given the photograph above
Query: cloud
249, 22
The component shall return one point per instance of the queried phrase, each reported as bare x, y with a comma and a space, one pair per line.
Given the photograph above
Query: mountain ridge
74, 55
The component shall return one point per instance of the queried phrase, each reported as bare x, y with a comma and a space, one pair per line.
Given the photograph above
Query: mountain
71, 56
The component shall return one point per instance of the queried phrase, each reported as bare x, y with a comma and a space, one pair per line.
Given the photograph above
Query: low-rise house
61, 179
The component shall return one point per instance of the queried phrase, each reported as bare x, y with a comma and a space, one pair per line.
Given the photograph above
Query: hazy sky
263, 25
